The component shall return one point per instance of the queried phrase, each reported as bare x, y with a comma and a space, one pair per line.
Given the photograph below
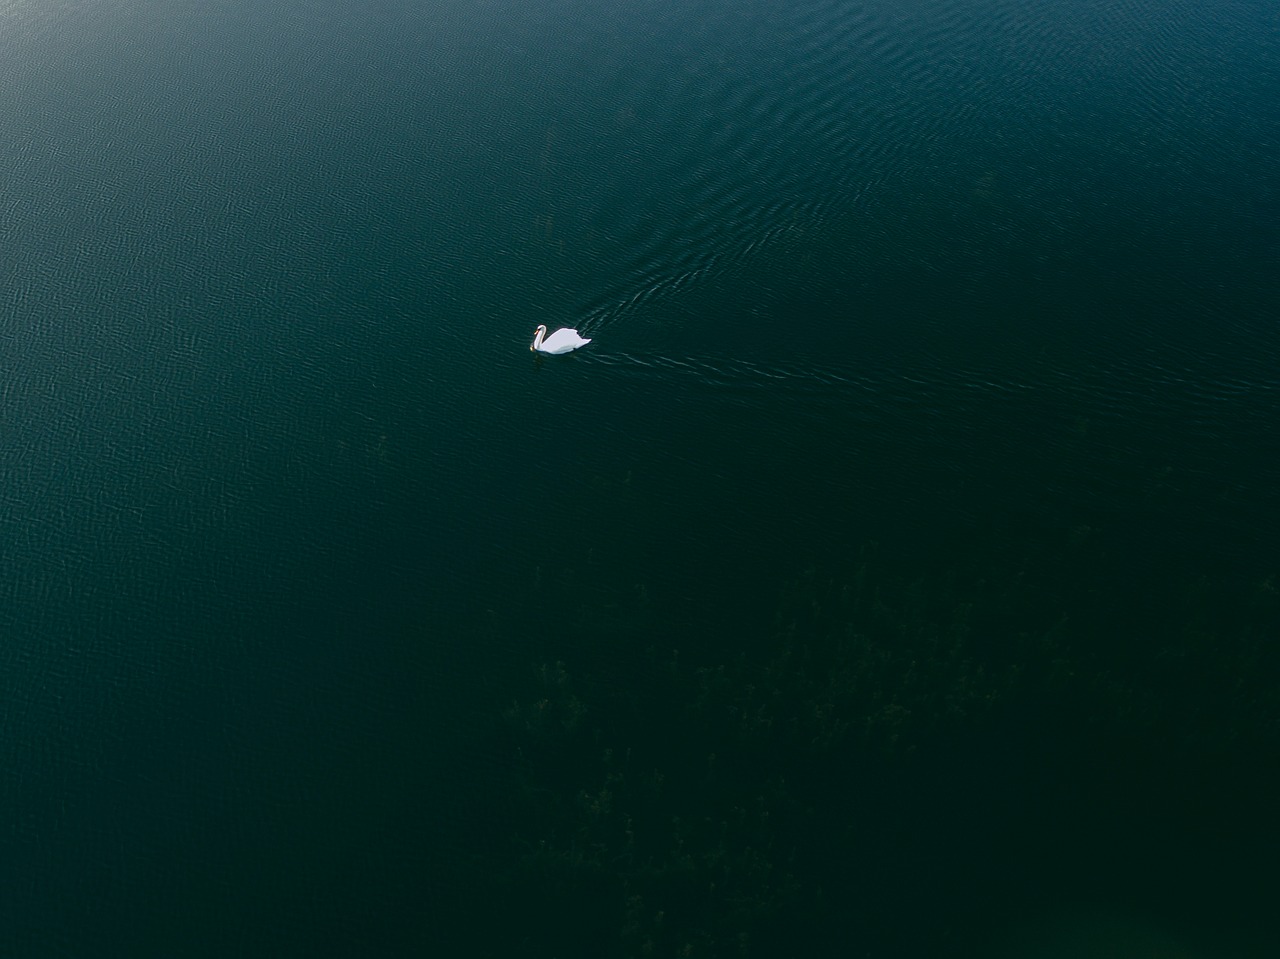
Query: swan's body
561, 341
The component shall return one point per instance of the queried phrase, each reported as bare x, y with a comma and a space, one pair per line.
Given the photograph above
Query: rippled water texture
287, 507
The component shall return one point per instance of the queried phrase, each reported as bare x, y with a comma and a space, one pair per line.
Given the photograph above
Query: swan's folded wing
562, 341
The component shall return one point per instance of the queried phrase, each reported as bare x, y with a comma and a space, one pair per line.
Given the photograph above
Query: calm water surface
287, 508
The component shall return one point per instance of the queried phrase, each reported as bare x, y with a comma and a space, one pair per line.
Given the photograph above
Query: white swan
561, 341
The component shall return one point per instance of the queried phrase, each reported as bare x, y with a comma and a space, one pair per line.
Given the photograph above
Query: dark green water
906, 535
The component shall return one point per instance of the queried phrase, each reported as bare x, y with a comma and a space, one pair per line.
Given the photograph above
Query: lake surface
974, 298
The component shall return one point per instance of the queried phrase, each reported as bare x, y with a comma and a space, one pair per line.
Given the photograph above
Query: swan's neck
537, 337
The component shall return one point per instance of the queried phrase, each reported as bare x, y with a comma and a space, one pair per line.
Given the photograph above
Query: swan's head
538, 334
